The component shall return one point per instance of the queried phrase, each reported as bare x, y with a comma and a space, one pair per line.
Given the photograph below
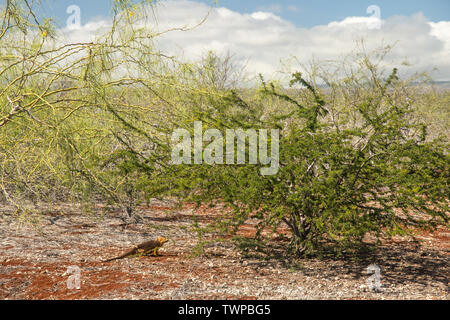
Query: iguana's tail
126, 254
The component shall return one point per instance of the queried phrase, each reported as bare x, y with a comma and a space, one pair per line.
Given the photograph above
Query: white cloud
441, 30
262, 38
87, 32
275, 8
362, 23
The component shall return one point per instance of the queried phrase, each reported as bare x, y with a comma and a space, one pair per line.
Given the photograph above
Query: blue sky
311, 13
265, 36
303, 13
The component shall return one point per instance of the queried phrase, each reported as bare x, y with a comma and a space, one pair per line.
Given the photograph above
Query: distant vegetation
92, 122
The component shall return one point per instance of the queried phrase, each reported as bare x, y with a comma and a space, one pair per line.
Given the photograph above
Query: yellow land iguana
146, 248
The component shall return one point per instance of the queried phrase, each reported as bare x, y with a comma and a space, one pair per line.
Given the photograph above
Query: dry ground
34, 263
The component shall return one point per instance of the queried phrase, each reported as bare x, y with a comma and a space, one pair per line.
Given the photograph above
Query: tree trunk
300, 231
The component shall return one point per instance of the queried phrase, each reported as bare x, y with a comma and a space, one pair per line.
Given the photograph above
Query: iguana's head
162, 240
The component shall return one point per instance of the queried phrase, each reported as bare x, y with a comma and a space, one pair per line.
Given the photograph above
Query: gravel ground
44, 261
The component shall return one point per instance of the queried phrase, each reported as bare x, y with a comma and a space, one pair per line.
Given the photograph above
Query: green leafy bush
371, 172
